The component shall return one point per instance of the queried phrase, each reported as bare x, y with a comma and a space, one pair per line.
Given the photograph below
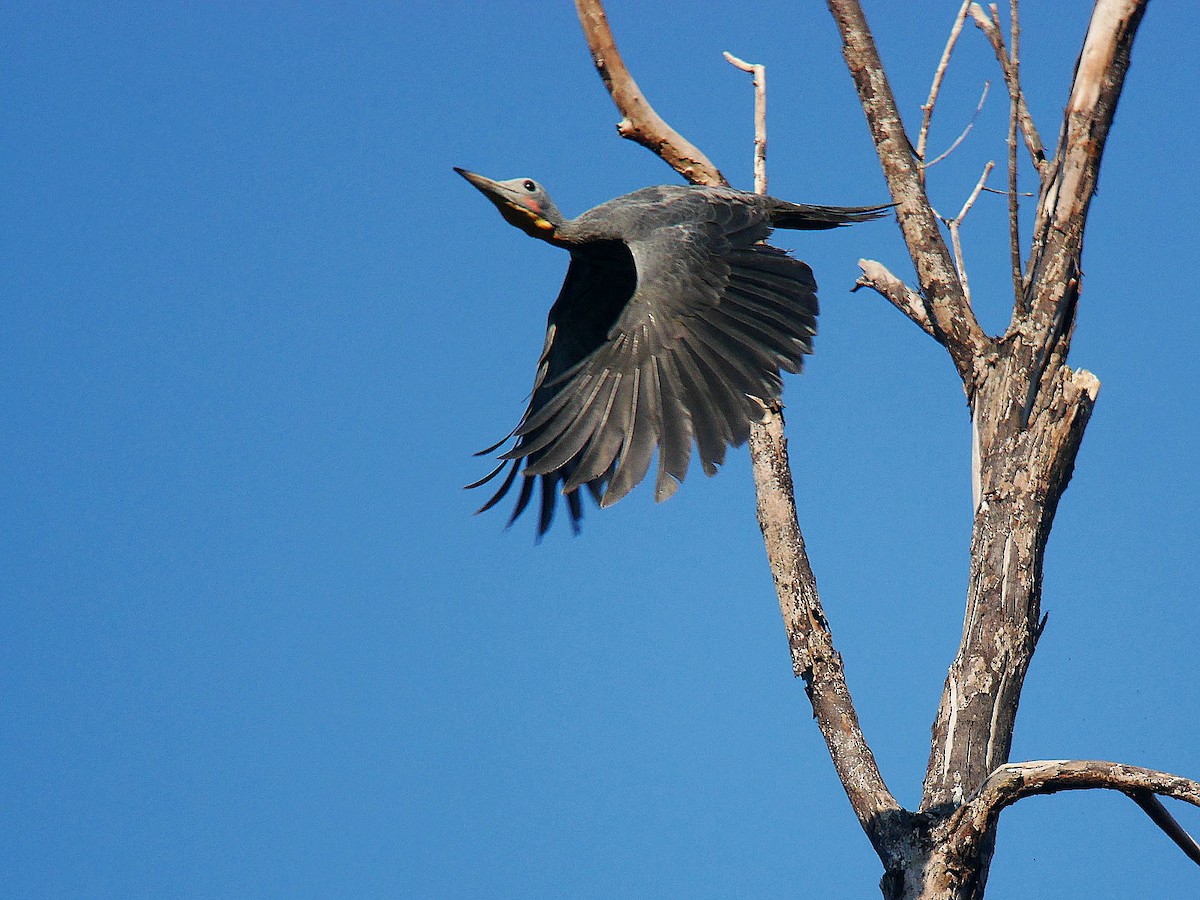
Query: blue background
255, 644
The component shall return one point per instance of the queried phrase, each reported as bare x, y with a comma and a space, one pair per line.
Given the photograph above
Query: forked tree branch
951, 315
813, 655
1025, 462
955, 226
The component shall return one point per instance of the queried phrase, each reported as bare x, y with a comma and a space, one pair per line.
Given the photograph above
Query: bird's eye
529, 186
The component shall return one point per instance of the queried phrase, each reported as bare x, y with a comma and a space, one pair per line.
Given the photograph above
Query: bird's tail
803, 217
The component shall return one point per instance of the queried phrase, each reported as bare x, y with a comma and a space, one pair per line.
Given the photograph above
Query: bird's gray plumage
670, 331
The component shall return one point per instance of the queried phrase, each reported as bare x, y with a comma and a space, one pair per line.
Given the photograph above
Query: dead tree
1029, 410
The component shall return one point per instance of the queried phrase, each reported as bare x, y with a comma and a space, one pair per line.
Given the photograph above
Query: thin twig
1014, 221
938, 76
1037, 152
966, 208
760, 118
962, 137
956, 222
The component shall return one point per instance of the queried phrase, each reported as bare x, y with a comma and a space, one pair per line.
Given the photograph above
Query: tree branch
760, 119
813, 655
1024, 466
1013, 78
1016, 781
951, 315
938, 75
1052, 282
991, 30
878, 277
955, 225
987, 86
1160, 816
640, 123
809, 638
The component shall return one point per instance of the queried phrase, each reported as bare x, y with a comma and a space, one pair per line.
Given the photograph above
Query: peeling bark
1023, 474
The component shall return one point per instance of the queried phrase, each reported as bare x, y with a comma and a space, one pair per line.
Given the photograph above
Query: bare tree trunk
1024, 473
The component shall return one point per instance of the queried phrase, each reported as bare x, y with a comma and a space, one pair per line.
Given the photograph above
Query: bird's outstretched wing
655, 344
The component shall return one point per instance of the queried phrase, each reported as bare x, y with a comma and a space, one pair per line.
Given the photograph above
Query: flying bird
671, 328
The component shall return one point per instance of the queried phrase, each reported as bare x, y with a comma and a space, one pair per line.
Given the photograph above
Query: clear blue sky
255, 644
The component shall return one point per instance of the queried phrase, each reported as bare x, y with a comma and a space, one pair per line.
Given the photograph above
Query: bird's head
522, 201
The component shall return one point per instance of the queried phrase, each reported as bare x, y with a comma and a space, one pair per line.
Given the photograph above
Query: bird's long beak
489, 187
517, 208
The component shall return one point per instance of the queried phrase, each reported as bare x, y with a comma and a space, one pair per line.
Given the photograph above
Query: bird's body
671, 328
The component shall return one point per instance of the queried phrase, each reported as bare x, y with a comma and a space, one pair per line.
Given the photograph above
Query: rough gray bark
1029, 410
